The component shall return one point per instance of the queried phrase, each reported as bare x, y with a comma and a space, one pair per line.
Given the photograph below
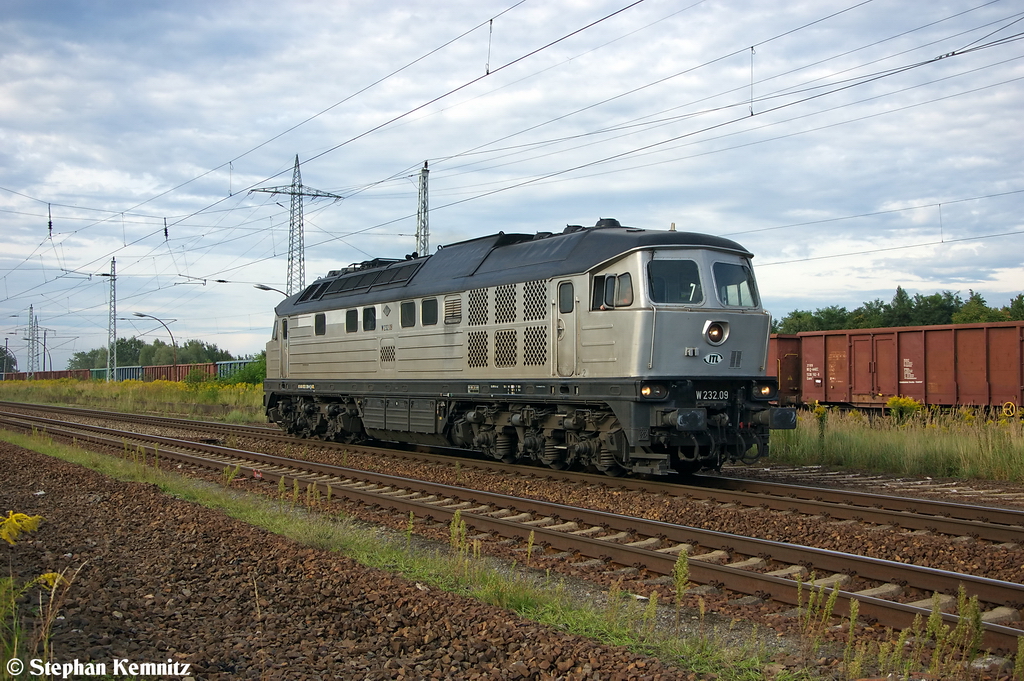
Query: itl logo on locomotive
713, 358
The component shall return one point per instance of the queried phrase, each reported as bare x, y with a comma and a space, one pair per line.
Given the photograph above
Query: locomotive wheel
686, 468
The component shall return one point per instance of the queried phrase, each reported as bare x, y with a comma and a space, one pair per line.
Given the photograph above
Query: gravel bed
968, 556
162, 579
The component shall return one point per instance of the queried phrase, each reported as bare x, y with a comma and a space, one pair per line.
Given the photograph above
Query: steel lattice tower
296, 245
112, 326
33, 342
422, 219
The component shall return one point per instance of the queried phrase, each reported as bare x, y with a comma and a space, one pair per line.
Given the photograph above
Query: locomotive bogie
608, 348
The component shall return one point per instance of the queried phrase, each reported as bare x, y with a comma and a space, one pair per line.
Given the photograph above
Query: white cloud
116, 108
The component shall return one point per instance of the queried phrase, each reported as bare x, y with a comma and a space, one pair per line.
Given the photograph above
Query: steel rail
168, 421
887, 613
981, 522
940, 509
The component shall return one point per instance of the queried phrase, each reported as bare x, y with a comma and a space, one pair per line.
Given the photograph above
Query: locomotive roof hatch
490, 261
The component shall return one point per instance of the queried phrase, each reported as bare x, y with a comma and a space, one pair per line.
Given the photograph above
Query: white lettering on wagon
908, 372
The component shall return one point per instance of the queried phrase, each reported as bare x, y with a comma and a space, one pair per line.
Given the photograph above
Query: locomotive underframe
598, 425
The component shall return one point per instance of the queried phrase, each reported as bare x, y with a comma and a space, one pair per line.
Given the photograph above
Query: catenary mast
422, 219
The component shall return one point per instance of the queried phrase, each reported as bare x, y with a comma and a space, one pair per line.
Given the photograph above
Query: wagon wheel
1009, 410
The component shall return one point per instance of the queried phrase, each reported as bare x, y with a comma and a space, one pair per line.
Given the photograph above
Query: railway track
987, 523
744, 565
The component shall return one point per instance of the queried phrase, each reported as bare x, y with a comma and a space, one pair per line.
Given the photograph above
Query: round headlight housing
653, 391
716, 333
765, 391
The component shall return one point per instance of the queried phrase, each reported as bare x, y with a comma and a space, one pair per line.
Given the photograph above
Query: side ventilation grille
505, 304
535, 346
535, 300
476, 347
478, 307
505, 348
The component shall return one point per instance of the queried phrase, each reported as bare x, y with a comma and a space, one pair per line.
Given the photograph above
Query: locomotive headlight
653, 391
716, 333
765, 391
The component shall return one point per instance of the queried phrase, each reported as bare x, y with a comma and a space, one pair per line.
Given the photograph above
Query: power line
890, 248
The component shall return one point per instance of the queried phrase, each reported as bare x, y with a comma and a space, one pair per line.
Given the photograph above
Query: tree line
136, 352
946, 307
8, 362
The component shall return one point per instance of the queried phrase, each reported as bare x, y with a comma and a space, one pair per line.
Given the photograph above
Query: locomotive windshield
675, 281
735, 285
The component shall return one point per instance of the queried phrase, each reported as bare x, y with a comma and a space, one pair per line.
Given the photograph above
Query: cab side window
611, 291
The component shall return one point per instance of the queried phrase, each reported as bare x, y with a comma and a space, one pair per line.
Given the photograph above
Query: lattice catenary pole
422, 211
112, 326
33, 342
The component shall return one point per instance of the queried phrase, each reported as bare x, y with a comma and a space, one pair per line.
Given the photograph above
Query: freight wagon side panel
912, 365
1004, 364
862, 384
812, 350
972, 366
885, 365
873, 363
940, 366
838, 368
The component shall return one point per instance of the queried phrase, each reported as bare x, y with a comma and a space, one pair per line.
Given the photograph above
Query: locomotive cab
687, 325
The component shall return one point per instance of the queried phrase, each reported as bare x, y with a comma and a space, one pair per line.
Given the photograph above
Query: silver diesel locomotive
611, 348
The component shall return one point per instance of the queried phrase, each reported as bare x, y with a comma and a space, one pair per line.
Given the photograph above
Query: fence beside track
166, 372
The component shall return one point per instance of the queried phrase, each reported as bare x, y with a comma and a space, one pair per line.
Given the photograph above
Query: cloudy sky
852, 145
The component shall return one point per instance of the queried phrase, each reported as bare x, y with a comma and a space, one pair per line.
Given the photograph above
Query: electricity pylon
422, 218
296, 244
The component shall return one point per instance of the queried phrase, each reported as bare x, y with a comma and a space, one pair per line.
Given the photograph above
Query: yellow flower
51, 579
16, 523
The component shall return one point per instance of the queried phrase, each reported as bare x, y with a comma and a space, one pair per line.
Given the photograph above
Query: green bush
253, 373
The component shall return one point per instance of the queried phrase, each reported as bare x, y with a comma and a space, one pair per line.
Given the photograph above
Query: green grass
236, 402
962, 443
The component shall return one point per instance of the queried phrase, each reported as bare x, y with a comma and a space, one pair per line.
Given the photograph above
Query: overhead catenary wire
517, 60
765, 41
207, 246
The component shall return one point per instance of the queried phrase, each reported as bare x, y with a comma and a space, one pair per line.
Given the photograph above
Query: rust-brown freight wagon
957, 364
